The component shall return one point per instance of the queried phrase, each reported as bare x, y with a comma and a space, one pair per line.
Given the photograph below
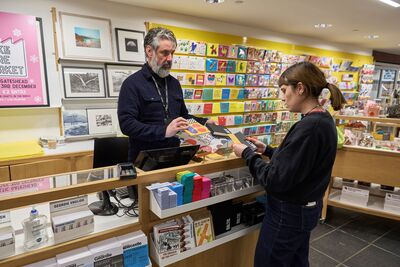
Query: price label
355, 191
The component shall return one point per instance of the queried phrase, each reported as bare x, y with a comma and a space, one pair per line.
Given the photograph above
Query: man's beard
162, 70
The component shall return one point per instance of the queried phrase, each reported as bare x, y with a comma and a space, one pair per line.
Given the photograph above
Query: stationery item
241, 138
223, 50
201, 48
231, 66
232, 52
240, 80
218, 130
260, 54
251, 53
178, 189
188, 93
198, 93
225, 93
208, 108
190, 79
183, 46
208, 93
241, 66
203, 227
242, 52
210, 79
217, 93
230, 79
107, 253
238, 119
224, 107
206, 187
211, 65
222, 120
241, 93
80, 257
220, 79
222, 65
200, 79
212, 50
135, 249
234, 93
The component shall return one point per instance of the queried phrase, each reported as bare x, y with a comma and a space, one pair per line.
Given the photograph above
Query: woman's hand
260, 145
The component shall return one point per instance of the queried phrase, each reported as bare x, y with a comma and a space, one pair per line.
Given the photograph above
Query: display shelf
366, 118
374, 206
235, 233
155, 208
372, 149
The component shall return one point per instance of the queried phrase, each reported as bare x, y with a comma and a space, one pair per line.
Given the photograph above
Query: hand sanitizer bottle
35, 231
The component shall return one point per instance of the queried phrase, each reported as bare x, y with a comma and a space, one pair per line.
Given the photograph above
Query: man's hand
175, 126
210, 121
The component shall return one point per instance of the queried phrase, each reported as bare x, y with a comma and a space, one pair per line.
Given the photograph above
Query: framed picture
116, 75
80, 82
102, 121
23, 78
75, 122
85, 37
130, 45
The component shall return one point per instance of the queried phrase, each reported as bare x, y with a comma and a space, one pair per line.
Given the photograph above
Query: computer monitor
154, 159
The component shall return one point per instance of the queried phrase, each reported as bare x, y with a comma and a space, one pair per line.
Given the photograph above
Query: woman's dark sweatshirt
300, 168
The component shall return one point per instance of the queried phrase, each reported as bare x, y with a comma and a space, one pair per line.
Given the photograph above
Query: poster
22, 66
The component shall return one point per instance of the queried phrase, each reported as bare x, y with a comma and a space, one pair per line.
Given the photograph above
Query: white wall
25, 124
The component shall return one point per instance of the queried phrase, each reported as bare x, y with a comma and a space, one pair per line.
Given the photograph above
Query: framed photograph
75, 122
116, 75
130, 45
102, 121
85, 37
82, 82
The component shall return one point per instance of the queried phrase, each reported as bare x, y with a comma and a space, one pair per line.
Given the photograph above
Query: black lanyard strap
164, 102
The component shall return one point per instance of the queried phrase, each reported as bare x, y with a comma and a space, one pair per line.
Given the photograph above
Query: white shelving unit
155, 208
234, 233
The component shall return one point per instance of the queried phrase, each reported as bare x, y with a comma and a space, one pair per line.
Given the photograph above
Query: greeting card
221, 120
200, 79
220, 79
193, 47
184, 63
226, 93
238, 119
242, 52
240, 79
234, 93
211, 65
201, 48
263, 80
188, 93
223, 50
208, 93
241, 66
230, 79
241, 93
183, 46
231, 66
217, 93
260, 54
222, 64
232, 52
190, 79
224, 107
198, 93
176, 63
230, 120
210, 79
212, 50
250, 67
251, 53
208, 108
216, 108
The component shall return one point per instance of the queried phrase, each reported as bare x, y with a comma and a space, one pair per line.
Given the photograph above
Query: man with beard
151, 109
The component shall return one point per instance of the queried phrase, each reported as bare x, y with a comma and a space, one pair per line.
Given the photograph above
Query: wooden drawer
39, 168
4, 174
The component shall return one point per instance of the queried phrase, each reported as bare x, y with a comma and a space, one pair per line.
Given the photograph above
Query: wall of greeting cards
235, 83
97, 45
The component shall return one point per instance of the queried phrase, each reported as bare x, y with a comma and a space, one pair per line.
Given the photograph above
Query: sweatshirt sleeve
128, 114
290, 165
269, 151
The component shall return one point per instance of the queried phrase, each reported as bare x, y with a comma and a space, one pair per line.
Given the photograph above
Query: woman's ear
300, 88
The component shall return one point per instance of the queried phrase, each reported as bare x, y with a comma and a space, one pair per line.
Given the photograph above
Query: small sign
354, 195
68, 203
24, 186
5, 217
392, 202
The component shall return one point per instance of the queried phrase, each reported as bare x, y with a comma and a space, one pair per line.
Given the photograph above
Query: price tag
392, 202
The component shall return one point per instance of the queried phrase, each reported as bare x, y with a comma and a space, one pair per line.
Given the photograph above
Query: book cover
226, 93
212, 49
230, 79
211, 65
200, 79
217, 93
231, 66
210, 79
222, 65
208, 93
220, 79
223, 50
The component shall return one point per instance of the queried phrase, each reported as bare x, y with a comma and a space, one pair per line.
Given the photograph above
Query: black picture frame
68, 95
108, 78
128, 56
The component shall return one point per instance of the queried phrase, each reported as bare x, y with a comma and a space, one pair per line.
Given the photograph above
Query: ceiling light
215, 1
390, 3
322, 25
372, 36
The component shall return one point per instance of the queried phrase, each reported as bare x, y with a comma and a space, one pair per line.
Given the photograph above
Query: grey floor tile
368, 228
337, 217
373, 256
339, 245
390, 241
318, 259
320, 230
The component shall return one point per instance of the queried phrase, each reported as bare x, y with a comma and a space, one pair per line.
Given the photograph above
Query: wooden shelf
365, 118
374, 206
155, 208
234, 233
228, 100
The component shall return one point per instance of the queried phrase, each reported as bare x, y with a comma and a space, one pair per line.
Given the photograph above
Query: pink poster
22, 71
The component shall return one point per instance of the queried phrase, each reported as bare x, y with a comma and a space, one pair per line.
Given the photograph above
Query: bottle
35, 232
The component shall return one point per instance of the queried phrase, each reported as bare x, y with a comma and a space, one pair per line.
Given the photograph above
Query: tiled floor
355, 240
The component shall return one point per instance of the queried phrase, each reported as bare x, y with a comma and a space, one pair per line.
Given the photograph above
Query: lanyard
164, 103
